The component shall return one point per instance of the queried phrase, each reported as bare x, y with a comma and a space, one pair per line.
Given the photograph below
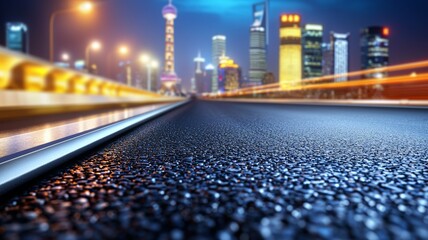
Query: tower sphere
169, 11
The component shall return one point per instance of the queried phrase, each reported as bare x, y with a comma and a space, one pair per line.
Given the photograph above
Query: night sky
139, 23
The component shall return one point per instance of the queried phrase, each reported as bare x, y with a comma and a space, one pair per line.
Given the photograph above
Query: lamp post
95, 46
83, 7
121, 51
150, 64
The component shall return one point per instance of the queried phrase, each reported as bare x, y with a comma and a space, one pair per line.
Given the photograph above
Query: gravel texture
241, 171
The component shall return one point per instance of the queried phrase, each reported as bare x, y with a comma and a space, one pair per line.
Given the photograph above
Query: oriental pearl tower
169, 77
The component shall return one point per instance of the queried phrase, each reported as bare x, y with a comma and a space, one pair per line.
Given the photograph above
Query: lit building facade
169, 78
312, 50
258, 43
199, 73
218, 50
340, 52
229, 75
375, 49
17, 38
290, 51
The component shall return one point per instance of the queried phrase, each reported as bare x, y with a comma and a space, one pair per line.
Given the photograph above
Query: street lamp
123, 50
154, 64
65, 57
95, 46
84, 7
150, 64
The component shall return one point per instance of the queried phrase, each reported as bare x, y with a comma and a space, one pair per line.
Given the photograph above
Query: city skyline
142, 27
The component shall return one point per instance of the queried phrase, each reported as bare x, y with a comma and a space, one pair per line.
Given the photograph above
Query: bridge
87, 157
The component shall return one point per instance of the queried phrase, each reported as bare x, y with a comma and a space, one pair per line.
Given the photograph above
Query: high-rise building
258, 43
218, 50
340, 51
327, 59
193, 85
229, 75
375, 49
169, 77
199, 73
290, 51
208, 76
17, 38
312, 50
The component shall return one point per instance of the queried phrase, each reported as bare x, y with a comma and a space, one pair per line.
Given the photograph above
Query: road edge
17, 171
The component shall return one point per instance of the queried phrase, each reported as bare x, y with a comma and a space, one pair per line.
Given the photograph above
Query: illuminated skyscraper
340, 50
375, 49
312, 50
169, 77
290, 51
218, 50
199, 73
17, 37
229, 75
258, 43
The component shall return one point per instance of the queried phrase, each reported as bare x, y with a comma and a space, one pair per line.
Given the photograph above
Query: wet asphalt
212, 170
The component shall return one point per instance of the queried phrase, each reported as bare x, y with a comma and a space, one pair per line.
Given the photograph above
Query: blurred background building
17, 37
218, 50
290, 50
375, 49
229, 75
340, 53
199, 73
312, 50
258, 43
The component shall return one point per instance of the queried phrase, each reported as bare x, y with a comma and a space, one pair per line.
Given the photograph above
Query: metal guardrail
26, 73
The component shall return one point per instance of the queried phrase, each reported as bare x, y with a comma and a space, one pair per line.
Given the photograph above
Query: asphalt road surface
241, 171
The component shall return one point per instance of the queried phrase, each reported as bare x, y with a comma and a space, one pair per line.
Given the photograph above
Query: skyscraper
218, 50
208, 76
169, 77
258, 43
340, 51
312, 50
375, 49
290, 51
229, 75
199, 73
17, 37
327, 59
